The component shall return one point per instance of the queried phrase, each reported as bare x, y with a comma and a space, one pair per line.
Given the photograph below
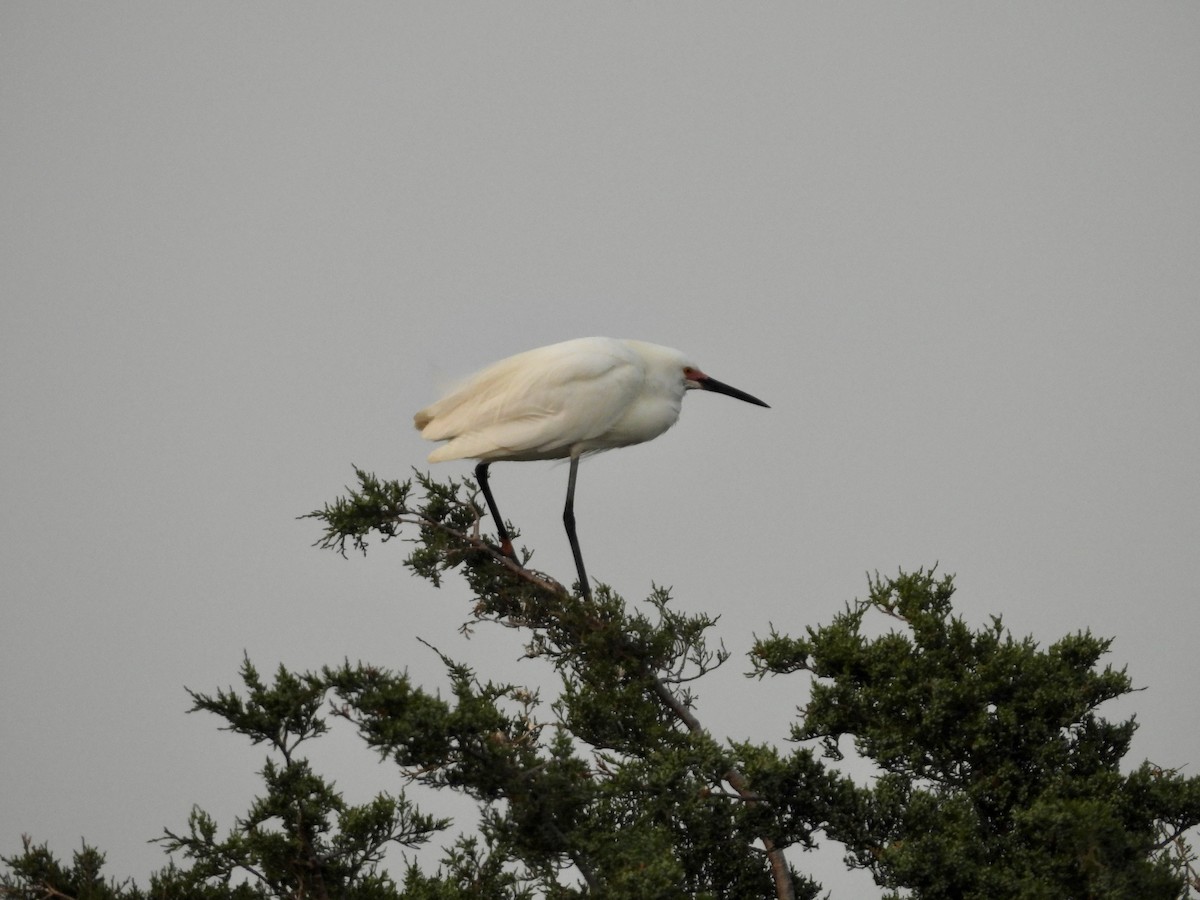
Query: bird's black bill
711, 384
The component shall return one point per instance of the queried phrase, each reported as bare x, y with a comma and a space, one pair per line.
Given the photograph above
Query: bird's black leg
481, 476
569, 521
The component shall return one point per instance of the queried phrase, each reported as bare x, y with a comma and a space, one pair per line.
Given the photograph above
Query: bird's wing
535, 404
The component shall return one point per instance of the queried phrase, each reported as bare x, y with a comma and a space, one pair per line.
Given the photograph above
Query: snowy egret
560, 402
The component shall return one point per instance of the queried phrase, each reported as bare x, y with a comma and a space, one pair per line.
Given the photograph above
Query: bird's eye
689, 373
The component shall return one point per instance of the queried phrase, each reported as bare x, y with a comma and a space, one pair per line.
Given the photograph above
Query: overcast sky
955, 246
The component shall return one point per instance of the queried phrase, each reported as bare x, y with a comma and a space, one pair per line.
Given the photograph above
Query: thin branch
780, 873
584, 869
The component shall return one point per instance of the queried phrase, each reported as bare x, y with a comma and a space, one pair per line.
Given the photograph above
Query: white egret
560, 402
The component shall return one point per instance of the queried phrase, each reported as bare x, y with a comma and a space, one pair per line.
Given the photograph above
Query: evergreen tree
997, 776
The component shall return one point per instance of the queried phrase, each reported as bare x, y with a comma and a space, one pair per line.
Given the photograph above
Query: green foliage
301, 838
628, 811
998, 778
37, 873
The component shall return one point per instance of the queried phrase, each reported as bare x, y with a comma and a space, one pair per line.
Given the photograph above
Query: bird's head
694, 379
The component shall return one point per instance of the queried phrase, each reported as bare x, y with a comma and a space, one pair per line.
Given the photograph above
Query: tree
998, 778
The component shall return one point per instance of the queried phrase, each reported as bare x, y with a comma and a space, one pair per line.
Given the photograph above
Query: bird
564, 401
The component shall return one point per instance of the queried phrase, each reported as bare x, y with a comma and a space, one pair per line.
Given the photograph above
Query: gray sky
955, 246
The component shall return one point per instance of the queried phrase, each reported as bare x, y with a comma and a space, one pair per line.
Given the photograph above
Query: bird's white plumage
562, 400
